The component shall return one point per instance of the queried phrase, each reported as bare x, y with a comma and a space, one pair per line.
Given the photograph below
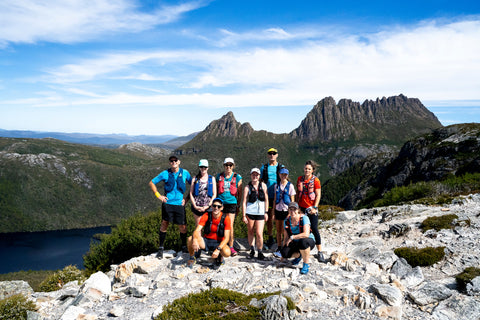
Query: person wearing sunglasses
255, 204
203, 191
216, 233
173, 201
229, 190
297, 240
270, 175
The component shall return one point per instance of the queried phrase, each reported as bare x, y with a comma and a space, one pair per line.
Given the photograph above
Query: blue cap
284, 170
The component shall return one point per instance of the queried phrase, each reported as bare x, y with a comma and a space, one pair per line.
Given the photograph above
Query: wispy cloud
67, 21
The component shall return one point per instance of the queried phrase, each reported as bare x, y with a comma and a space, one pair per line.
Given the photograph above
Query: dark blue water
49, 250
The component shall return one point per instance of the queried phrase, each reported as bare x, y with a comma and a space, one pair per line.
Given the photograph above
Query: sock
162, 237
252, 248
183, 237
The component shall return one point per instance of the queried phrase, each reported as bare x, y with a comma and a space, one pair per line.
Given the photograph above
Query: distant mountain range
112, 140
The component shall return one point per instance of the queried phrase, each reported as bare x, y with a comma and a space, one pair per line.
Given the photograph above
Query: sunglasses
202, 167
172, 161
292, 209
272, 153
216, 206
228, 164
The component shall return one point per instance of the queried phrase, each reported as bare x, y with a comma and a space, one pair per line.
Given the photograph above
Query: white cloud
68, 21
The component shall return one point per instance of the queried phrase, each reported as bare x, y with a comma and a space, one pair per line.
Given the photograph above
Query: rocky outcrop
359, 276
147, 151
226, 126
448, 151
395, 119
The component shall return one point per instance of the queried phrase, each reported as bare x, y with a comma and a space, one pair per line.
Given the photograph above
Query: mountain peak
395, 118
226, 126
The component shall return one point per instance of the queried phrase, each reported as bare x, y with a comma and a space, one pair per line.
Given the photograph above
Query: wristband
157, 194
291, 237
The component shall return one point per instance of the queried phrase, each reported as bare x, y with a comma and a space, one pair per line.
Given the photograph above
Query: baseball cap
272, 150
203, 163
255, 170
172, 158
218, 200
284, 170
293, 205
228, 160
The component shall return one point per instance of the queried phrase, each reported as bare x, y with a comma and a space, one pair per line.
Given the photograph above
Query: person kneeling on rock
216, 233
298, 241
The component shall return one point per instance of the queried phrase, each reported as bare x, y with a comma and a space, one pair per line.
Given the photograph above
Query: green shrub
404, 194
466, 277
216, 303
439, 223
61, 277
421, 257
16, 307
33, 277
326, 212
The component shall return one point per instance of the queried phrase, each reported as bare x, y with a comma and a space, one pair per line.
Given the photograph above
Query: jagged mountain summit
388, 119
226, 126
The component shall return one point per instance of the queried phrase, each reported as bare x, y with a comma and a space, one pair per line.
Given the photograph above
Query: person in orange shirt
309, 191
217, 228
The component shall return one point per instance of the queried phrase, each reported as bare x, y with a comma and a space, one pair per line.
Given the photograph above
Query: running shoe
233, 251
220, 261
260, 256
305, 268
277, 254
252, 253
160, 253
296, 261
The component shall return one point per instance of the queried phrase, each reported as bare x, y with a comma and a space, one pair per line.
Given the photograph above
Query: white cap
228, 160
255, 170
203, 163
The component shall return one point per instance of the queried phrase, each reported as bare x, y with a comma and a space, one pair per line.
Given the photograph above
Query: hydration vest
288, 225
264, 177
310, 187
253, 195
233, 184
170, 183
209, 186
283, 195
220, 227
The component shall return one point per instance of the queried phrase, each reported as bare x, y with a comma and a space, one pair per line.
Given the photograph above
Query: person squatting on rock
202, 191
297, 241
308, 198
270, 175
173, 202
217, 228
229, 187
283, 196
255, 204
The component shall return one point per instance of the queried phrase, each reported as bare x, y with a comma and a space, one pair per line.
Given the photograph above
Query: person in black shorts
173, 201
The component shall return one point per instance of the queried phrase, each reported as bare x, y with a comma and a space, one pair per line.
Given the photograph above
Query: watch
219, 249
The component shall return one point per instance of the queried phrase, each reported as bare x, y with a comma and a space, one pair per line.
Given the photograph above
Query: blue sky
171, 67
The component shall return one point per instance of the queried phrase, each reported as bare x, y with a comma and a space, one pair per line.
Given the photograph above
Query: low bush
439, 223
403, 194
15, 307
466, 277
216, 303
61, 277
421, 257
326, 212
33, 277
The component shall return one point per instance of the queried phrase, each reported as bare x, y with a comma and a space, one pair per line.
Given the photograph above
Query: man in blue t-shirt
270, 176
173, 202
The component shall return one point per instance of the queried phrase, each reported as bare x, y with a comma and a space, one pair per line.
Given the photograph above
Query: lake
48, 250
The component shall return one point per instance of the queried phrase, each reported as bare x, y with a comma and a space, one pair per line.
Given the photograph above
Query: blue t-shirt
296, 229
226, 196
272, 179
175, 197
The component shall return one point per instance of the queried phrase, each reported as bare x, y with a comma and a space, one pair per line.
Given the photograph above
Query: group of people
269, 196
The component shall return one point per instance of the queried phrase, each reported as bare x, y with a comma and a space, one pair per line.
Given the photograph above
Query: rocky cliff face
395, 118
453, 150
360, 277
226, 126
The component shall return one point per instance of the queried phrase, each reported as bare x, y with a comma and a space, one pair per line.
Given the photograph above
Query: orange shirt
304, 199
215, 222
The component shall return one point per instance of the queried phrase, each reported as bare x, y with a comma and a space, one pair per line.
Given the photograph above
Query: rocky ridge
359, 276
396, 118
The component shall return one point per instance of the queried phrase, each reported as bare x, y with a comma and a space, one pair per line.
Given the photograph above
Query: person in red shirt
216, 233
309, 192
